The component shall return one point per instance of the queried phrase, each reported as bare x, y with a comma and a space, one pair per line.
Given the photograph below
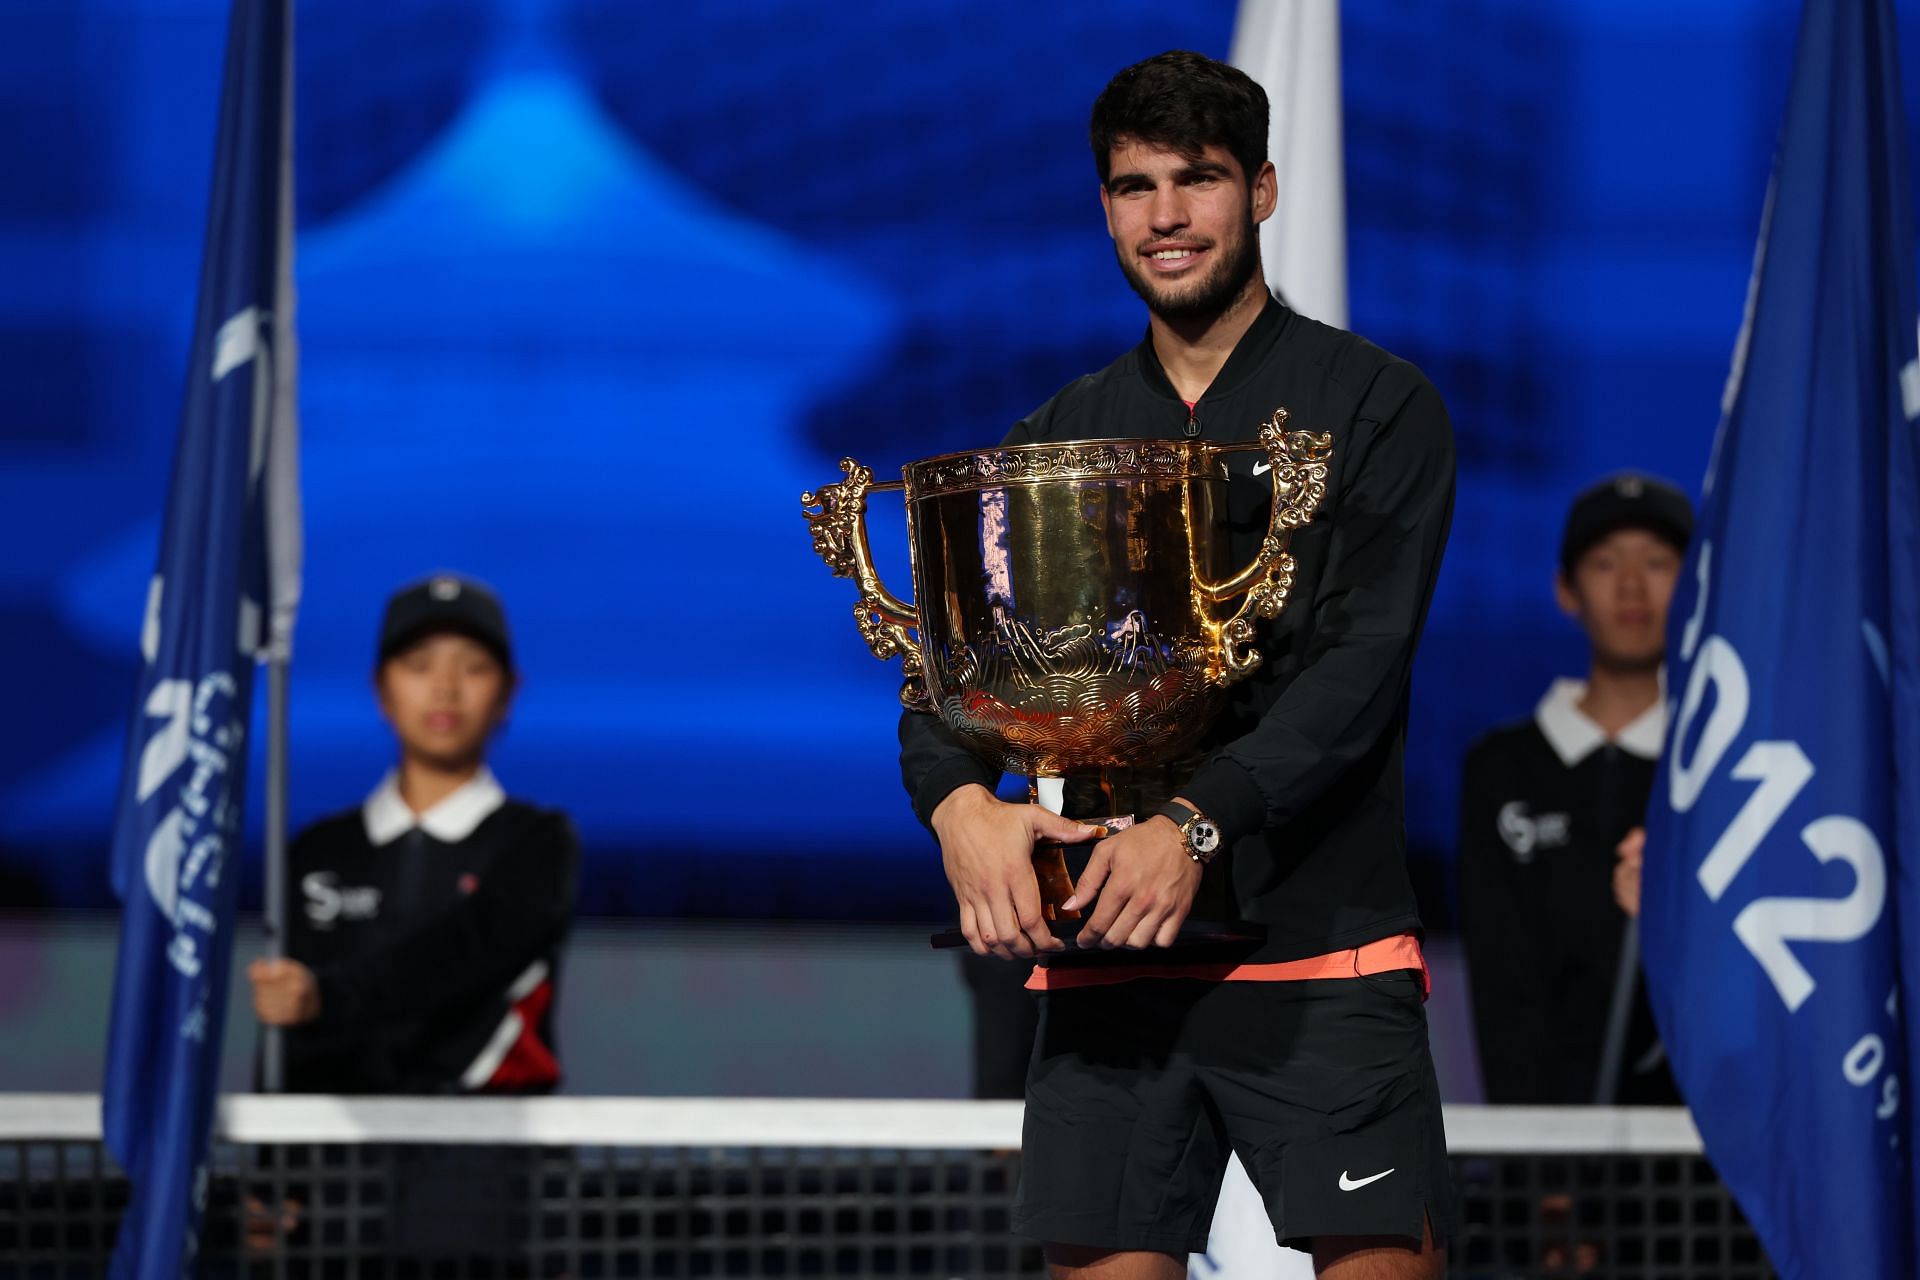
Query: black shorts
1325, 1088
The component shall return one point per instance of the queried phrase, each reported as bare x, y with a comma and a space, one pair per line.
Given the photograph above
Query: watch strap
1180, 814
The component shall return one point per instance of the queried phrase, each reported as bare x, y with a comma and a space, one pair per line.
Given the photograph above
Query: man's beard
1202, 299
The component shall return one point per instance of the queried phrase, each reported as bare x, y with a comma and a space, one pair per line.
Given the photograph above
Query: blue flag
1784, 837
223, 595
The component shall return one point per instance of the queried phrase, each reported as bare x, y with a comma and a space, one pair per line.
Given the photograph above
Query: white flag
1292, 48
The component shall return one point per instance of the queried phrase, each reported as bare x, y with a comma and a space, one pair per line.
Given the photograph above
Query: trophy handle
839, 529
1299, 466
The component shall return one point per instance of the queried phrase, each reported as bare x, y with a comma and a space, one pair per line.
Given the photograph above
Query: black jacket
437, 958
1303, 772
1543, 805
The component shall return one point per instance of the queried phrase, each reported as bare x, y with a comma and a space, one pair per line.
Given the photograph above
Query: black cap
445, 602
1629, 500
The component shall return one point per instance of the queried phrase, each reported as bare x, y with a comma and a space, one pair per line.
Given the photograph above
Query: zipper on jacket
1193, 419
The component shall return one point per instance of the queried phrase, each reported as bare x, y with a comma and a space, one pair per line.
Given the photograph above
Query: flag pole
1626, 975
283, 588
272, 1049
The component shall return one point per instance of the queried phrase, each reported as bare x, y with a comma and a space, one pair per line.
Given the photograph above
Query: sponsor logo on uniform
1354, 1184
328, 902
1525, 834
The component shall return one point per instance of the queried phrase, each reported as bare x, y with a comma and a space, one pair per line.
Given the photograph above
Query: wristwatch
1202, 837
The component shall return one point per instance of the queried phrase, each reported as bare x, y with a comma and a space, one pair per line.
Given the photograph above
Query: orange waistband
1382, 956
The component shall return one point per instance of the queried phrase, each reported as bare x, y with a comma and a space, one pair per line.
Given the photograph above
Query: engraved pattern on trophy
1079, 461
1063, 642
1053, 700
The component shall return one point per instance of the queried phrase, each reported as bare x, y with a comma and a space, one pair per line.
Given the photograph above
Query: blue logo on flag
1786, 818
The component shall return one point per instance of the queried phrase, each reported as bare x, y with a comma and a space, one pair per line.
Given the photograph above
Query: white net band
779, 1122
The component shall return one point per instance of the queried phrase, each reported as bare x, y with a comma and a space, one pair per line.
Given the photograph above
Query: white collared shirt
1574, 736
387, 816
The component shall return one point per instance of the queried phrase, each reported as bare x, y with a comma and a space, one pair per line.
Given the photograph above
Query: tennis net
650, 1187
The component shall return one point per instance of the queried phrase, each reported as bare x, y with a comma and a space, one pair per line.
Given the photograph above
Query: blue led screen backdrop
590, 290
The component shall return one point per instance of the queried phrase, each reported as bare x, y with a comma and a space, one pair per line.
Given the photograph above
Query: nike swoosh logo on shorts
1261, 468
1354, 1184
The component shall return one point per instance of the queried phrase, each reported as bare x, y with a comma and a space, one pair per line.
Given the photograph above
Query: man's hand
261, 1231
1145, 883
285, 993
1626, 872
986, 846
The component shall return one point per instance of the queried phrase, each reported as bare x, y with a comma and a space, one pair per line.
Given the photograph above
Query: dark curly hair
1186, 101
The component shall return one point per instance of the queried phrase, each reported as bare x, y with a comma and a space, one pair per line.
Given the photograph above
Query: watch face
1203, 836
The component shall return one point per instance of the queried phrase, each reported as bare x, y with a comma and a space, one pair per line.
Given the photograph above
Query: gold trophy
1077, 619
